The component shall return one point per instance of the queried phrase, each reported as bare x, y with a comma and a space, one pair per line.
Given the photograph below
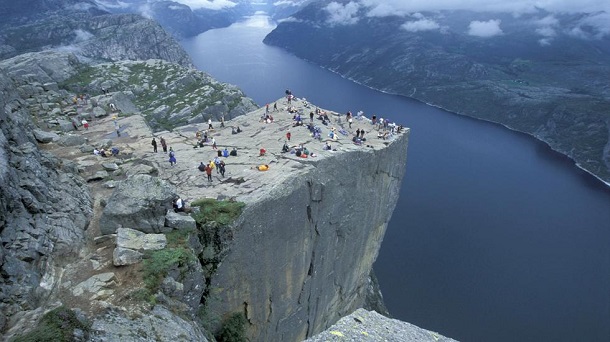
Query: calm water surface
494, 238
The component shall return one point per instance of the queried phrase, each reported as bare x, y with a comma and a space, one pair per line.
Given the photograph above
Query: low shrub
222, 212
233, 329
57, 325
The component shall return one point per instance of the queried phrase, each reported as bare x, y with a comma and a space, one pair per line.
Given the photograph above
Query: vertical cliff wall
300, 257
45, 208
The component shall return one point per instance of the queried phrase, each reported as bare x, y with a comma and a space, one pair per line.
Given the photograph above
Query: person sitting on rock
239, 129
327, 147
233, 130
285, 148
201, 167
178, 205
225, 152
233, 152
262, 152
114, 151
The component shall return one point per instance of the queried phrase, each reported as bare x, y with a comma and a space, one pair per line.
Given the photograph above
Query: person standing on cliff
217, 163
221, 168
74, 124
210, 123
154, 145
222, 121
275, 106
214, 143
172, 157
163, 144
208, 171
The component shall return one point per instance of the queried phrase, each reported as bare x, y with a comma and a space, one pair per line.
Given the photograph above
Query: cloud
290, 20
82, 35
111, 5
288, 3
420, 25
207, 4
595, 26
146, 11
382, 8
546, 31
485, 29
339, 14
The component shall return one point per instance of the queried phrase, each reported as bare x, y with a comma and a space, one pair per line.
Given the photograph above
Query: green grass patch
157, 264
222, 212
57, 325
160, 262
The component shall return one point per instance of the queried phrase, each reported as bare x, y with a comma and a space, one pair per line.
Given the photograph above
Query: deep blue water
495, 237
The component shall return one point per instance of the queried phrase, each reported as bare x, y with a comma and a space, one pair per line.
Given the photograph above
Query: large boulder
72, 140
179, 221
136, 240
159, 325
125, 256
44, 137
363, 325
139, 202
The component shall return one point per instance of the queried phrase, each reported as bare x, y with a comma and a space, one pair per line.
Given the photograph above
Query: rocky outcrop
299, 256
167, 94
296, 260
45, 208
157, 325
139, 202
92, 34
363, 325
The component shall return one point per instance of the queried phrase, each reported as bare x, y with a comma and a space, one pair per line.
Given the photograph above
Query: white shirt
179, 203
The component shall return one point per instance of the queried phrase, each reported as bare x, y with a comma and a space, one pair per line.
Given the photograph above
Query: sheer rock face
45, 208
301, 254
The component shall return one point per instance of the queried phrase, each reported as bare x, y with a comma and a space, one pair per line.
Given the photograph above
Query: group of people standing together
217, 164
172, 154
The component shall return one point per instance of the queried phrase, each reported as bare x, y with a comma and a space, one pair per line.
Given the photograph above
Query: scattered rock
125, 256
136, 240
98, 240
99, 175
94, 284
158, 325
110, 166
44, 137
71, 140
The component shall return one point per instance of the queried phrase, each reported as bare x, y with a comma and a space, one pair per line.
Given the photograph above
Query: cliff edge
295, 260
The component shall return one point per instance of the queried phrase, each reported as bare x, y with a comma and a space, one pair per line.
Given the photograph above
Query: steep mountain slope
83, 28
542, 74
